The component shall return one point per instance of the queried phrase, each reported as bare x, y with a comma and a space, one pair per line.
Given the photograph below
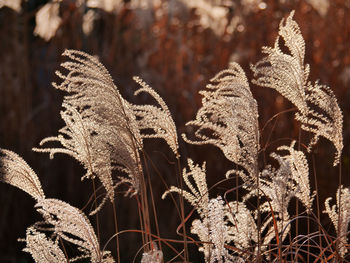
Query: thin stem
145, 212
308, 241
339, 258
64, 250
237, 194
97, 218
152, 200
317, 196
259, 218
164, 240
276, 115
164, 182
270, 134
296, 201
140, 219
116, 230
143, 208
182, 211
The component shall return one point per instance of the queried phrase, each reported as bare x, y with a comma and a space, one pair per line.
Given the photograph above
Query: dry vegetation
147, 194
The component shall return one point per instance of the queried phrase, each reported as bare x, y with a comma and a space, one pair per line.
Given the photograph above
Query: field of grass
179, 131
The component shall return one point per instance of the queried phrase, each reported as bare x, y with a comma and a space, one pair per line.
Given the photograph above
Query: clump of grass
106, 134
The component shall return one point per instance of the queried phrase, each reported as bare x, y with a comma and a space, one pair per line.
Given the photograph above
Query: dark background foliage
177, 56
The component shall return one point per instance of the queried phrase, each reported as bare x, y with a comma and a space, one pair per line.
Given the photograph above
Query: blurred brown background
176, 46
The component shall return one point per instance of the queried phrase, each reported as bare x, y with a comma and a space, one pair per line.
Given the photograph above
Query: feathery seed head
101, 130
228, 118
340, 211
157, 119
41, 248
15, 171
318, 109
70, 224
